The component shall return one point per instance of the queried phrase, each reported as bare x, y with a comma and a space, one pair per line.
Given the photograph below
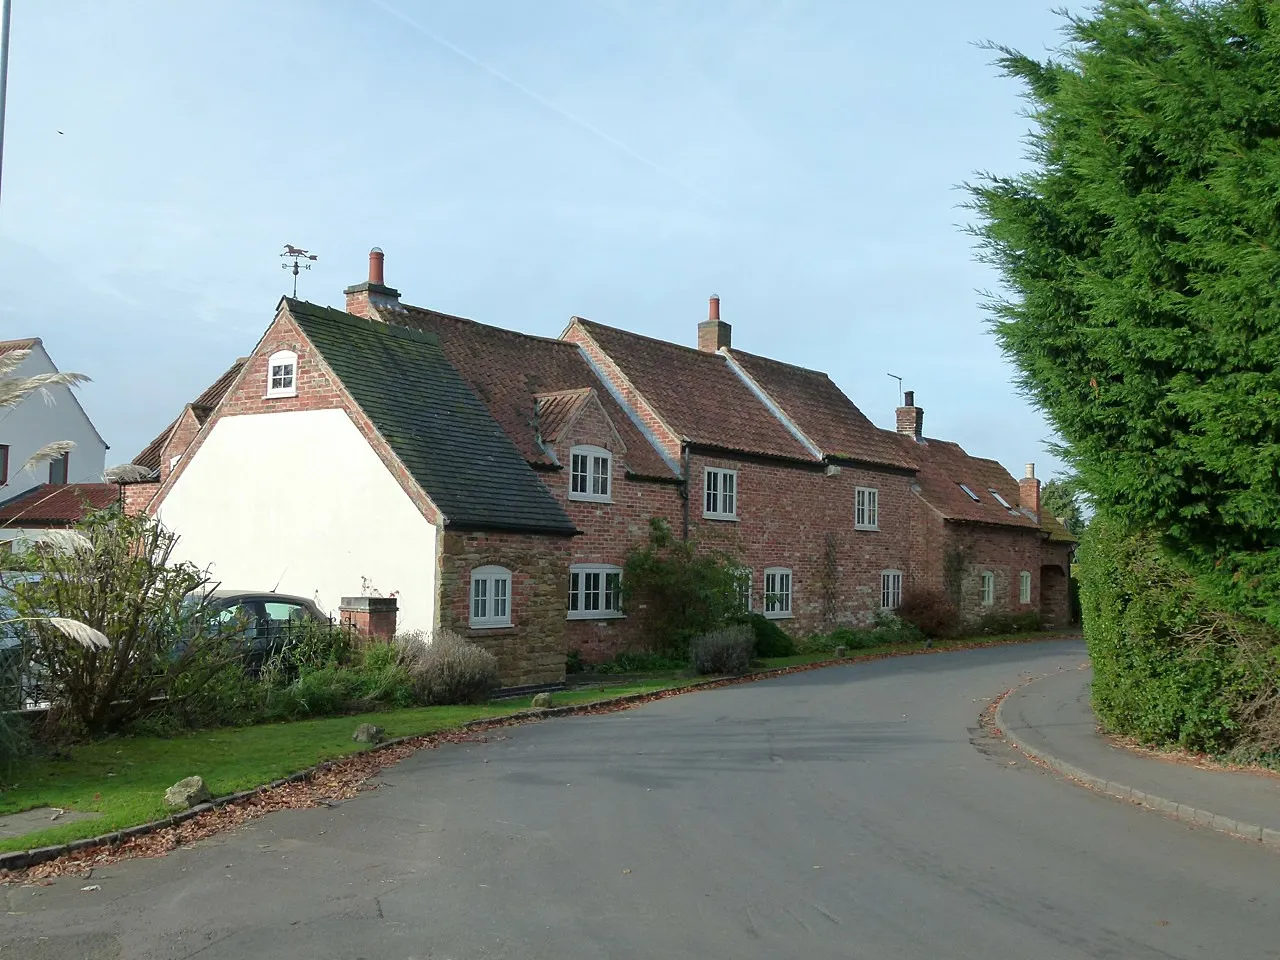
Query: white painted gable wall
300, 499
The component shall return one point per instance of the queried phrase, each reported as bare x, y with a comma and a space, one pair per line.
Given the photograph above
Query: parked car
263, 618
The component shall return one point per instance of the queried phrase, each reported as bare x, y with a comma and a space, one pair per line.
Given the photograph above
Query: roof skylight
972, 496
999, 499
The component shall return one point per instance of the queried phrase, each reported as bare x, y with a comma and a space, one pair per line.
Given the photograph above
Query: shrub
887, 630
109, 626
15, 743
309, 645
676, 590
723, 650
931, 612
770, 639
998, 622
1169, 666
573, 662
641, 661
446, 669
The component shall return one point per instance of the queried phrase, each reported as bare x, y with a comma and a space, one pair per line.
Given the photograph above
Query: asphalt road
854, 812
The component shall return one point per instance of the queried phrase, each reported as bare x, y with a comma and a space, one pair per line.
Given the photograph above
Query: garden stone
542, 701
367, 733
187, 793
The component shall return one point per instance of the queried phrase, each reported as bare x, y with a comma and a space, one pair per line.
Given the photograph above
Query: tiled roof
943, 466
510, 370
697, 394
822, 412
8, 346
1056, 531
149, 458
433, 422
201, 407
57, 504
555, 411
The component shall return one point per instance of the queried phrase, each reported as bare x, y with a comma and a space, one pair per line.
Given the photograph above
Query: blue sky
519, 163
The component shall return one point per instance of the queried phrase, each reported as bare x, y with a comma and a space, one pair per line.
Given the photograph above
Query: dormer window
590, 474
282, 374
999, 499
972, 496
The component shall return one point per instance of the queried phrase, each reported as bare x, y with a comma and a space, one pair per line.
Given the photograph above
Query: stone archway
1055, 596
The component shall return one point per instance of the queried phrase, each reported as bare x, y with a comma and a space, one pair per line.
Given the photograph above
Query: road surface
853, 812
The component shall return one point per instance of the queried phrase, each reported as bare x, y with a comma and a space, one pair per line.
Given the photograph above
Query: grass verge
124, 778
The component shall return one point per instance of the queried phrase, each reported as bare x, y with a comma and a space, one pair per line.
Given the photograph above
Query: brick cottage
497, 481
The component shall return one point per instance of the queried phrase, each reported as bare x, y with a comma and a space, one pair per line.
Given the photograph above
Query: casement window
490, 597
59, 469
4, 464
1024, 586
742, 588
777, 592
988, 588
595, 591
721, 487
866, 513
890, 589
972, 496
590, 474
282, 374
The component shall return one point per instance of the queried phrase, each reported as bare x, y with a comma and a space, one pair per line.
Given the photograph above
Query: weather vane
300, 260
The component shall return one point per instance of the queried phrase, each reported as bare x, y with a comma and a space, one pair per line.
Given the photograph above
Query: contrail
537, 97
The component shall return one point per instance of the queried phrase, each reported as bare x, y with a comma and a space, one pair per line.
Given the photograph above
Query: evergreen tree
1141, 258
1060, 497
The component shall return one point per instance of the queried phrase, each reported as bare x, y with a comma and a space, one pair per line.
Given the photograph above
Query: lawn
124, 778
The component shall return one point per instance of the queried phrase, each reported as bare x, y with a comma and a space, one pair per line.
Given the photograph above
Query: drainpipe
684, 491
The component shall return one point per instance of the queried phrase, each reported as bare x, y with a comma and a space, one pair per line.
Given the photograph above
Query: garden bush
725, 650
640, 661
676, 590
770, 639
931, 612
108, 621
446, 669
1169, 666
887, 630
998, 622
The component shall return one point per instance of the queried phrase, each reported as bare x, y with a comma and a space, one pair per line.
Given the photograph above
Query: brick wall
184, 434
610, 531
532, 650
798, 517
1002, 551
138, 496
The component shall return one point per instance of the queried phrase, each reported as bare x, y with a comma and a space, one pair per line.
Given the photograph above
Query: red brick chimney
1029, 492
364, 298
911, 417
714, 333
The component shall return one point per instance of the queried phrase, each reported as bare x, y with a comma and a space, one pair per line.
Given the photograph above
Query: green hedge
1168, 666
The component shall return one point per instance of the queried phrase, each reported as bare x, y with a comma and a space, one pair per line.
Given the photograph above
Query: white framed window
988, 588
866, 512
999, 499
282, 374
595, 591
972, 496
1024, 586
490, 597
591, 474
721, 494
777, 592
890, 589
742, 588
